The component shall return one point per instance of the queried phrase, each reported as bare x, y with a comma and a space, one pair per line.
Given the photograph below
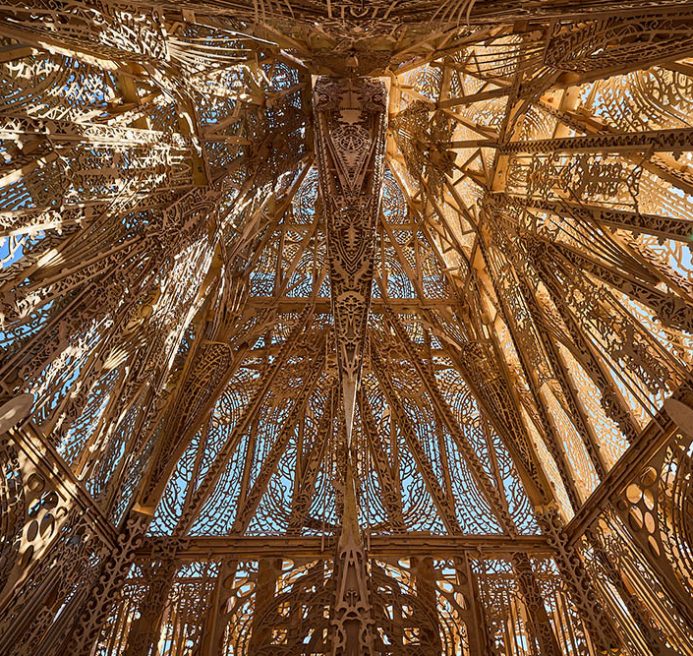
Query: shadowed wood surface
333, 327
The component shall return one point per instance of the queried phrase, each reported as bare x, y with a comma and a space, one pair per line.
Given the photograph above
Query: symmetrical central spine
350, 119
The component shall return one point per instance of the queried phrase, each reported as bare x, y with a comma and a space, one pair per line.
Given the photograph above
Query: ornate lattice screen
336, 327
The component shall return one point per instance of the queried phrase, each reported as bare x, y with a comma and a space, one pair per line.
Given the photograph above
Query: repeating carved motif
13, 507
612, 42
337, 328
350, 121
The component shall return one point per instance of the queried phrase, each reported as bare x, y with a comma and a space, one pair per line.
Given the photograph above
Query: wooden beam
249, 547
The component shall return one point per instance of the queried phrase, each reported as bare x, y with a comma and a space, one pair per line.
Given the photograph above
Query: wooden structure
344, 327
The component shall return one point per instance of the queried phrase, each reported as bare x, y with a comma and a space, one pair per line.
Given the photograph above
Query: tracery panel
338, 328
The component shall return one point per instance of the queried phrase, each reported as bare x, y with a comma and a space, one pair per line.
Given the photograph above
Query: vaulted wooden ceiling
346, 327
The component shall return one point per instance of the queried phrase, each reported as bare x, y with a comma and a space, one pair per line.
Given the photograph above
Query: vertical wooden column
539, 625
578, 582
476, 623
351, 615
145, 631
350, 117
101, 597
267, 575
427, 619
217, 617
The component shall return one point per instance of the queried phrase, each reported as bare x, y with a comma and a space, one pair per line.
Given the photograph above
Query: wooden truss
341, 327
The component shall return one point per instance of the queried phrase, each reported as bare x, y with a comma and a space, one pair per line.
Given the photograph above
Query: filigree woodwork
350, 130
343, 327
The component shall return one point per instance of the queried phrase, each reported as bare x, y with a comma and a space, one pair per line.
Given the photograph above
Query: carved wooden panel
343, 327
